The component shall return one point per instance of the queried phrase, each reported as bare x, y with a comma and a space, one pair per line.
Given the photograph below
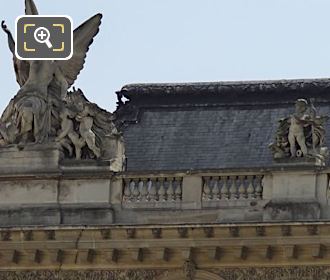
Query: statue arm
11, 42
66, 129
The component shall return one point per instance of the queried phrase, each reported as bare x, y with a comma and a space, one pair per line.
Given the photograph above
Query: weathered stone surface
84, 191
16, 192
272, 273
296, 185
87, 214
292, 210
47, 215
30, 160
192, 192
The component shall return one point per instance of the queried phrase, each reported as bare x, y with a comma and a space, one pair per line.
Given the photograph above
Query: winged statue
40, 78
42, 111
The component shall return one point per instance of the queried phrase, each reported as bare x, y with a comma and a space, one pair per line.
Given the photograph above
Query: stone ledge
33, 159
54, 215
292, 210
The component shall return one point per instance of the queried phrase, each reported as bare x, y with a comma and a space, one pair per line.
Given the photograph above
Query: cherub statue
94, 126
45, 83
84, 136
301, 135
85, 128
298, 121
67, 135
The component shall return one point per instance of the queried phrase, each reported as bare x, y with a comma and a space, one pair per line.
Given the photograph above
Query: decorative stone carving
189, 270
276, 273
301, 135
270, 273
43, 112
81, 275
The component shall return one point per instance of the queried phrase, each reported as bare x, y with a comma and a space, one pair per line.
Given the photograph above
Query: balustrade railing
152, 190
172, 191
242, 187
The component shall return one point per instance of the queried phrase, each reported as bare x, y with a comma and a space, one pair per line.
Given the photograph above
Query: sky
147, 41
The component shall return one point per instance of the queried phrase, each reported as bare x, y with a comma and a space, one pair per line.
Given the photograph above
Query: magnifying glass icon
42, 35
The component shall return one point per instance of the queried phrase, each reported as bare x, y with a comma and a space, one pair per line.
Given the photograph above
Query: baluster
149, 186
206, 188
225, 188
144, 189
135, 188
212, 185
233, 188
216, 188
140, 187
241, 188
127, 190
178, 189
161, 191
170, 190
250, 188
259, 187
153, 190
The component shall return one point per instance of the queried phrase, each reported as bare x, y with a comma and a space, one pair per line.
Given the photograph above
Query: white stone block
28, 192
288, 185
84, 191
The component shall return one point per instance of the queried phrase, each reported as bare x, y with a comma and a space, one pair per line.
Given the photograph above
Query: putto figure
298, 121
301, 135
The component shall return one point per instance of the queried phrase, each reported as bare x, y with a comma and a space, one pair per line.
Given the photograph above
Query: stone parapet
56, 191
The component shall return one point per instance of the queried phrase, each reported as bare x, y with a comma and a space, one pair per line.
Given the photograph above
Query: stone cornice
165, 247
228, 92
261, 273
222, 87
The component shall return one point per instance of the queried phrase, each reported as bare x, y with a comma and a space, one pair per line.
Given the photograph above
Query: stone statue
301, 135
67, 134
32, 106
85, 128
44, 112
297, 122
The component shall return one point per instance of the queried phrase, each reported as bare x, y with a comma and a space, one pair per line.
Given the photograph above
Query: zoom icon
44, 38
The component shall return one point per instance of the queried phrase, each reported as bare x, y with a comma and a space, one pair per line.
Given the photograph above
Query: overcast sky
187, 40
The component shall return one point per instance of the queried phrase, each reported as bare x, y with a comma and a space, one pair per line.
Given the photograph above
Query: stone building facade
205, 181
199, 195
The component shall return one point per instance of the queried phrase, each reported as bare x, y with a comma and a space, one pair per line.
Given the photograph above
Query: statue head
66, 113
301, 105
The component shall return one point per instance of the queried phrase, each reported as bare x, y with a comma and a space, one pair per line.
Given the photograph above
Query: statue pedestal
294, 194
300, 161
37, 186
33, 159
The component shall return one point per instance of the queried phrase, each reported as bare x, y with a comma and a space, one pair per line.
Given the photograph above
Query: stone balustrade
177, 190
240, 187
159, 191
96, 196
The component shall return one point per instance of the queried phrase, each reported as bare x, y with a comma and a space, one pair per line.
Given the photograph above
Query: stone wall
52, 191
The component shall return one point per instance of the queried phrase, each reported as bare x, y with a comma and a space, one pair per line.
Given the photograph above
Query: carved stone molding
81, 275
277, 273
271, 273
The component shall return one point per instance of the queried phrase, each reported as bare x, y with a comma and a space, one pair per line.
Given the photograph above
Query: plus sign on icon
44, 37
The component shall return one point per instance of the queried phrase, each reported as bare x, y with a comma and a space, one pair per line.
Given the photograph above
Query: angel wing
82, 38
30, 8
22, 68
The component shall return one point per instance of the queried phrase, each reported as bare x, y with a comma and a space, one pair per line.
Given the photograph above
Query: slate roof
210, 125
